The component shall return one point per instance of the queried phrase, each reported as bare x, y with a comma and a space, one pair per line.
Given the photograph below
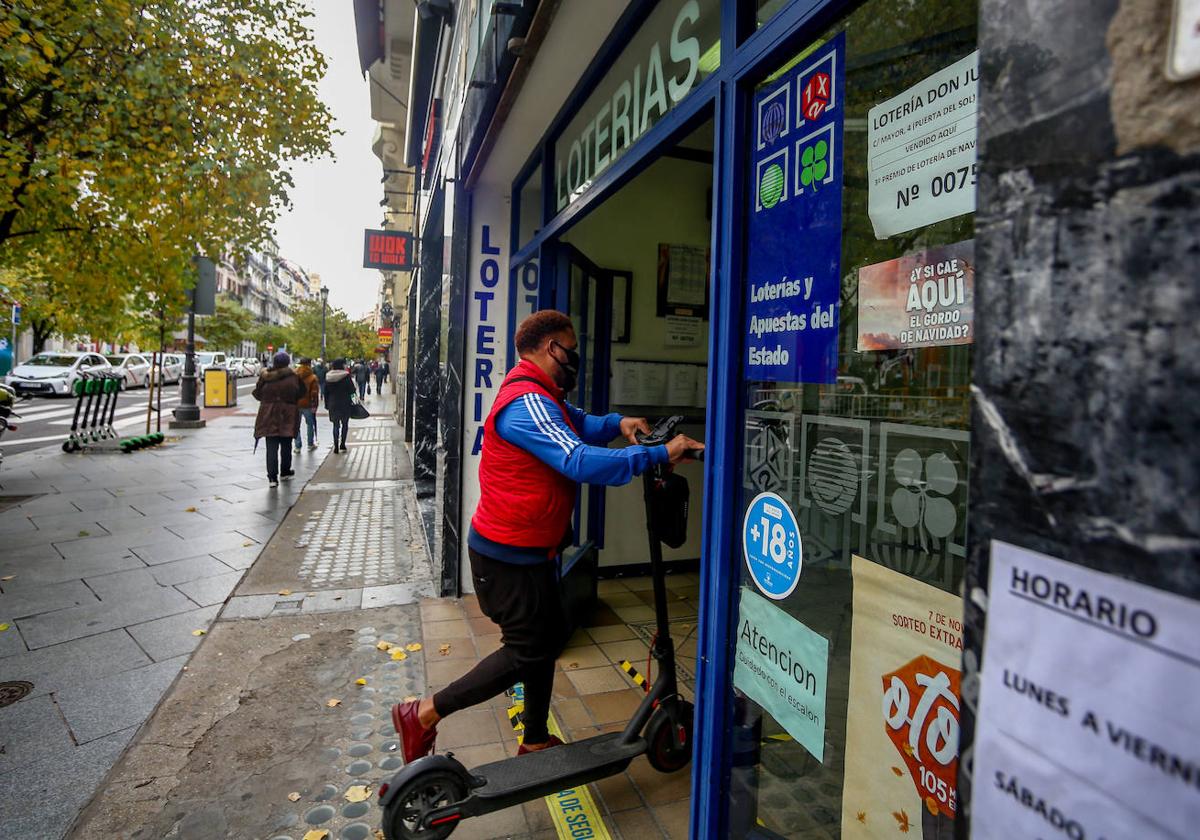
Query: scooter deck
558, 768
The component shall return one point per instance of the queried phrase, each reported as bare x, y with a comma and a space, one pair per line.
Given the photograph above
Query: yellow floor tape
573, 811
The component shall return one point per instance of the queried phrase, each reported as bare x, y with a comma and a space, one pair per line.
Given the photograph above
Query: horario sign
387, 250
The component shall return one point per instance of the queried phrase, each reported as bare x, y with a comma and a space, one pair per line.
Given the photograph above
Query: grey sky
334, 200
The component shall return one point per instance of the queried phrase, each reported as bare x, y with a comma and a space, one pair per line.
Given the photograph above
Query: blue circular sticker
771, 543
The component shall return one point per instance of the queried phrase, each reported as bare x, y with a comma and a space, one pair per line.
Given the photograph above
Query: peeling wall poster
921, 151
783, 666
1091, 730
793, 278
903, 716
926, 299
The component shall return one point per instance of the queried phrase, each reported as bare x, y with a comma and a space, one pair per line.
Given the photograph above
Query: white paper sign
1087, 721
682, 331
921, 151
1183, 56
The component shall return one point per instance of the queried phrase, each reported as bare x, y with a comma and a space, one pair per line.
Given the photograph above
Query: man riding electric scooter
537, 448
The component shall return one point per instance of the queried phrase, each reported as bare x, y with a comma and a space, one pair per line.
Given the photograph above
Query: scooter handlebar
661, 432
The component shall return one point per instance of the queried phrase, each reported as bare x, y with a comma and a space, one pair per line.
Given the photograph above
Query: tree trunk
42, 330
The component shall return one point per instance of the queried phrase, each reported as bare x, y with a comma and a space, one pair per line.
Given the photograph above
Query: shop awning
368, 26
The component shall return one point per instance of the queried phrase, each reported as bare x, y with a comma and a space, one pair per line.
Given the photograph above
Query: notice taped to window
783, 666
1087, 718
921, 151
903, 717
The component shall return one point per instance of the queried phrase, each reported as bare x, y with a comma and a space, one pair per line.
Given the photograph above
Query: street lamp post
324, 300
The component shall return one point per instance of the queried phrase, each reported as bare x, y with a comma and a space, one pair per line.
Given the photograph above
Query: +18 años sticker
771, 543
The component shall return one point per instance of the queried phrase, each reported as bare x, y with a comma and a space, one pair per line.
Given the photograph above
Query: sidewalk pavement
280, 718
110, 564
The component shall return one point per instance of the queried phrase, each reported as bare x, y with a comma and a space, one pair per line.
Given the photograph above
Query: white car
54, 373
133, 367
169, 370
248, 367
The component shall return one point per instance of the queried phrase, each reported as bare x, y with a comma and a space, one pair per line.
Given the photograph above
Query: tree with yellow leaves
134, 135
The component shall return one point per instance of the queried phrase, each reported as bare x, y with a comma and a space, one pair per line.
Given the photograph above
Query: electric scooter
426, 800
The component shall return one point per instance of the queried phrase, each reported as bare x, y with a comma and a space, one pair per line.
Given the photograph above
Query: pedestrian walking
308, 404
378, 377
320, 369
362, 378
387, 371
339, 398
278, 391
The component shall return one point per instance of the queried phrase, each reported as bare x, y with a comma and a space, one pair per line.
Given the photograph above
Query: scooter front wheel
670, 745
403, 816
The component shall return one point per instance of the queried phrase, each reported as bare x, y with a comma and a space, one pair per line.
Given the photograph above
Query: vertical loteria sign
794, 222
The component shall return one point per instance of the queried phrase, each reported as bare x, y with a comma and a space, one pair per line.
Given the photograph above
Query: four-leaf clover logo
814, 163
919, 502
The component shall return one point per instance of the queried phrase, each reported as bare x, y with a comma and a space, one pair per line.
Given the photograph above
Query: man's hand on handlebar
631, 427
682, 448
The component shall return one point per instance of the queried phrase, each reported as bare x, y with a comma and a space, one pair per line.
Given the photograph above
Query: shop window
529, 211
855, 374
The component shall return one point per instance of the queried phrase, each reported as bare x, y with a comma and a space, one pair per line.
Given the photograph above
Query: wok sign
387, 250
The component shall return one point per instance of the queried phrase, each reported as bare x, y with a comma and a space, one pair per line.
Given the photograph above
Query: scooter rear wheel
665, 752
403, 815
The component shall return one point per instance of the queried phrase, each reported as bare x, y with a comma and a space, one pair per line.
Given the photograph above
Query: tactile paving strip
351, 541
366, 751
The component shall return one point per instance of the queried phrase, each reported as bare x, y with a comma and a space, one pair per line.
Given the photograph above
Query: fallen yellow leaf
897, 771
357, 793
931, 805
317, 834
360, 681
190, 509
379, 834
247, 544
384, 646
294, 796
198, 632
414, 646
444, 650
399, 655
3, 627
285, 592
333, 702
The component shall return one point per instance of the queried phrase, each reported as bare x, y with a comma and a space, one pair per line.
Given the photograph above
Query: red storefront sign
387, 250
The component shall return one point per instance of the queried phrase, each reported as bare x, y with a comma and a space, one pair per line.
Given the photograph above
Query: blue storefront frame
747, 56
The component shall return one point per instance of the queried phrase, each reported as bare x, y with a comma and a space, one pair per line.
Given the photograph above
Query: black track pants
524, 601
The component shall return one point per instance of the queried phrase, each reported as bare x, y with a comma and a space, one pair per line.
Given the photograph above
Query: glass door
855, 374
589, 304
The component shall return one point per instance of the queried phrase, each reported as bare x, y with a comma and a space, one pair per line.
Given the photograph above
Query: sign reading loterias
387, 250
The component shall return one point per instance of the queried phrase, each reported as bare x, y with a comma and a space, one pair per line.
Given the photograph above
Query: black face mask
570, 367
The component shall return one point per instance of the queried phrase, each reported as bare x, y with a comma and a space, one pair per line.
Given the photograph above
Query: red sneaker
554, 741
415, 740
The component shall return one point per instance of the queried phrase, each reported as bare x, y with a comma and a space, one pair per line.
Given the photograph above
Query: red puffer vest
523, 502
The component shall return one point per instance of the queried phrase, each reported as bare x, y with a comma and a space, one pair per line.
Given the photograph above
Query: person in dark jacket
339, 392
278, 391
320, 369
362, 378
379, 370
309, 403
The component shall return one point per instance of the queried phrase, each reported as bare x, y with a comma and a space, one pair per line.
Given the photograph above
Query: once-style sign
1087, 710
921, 151
783, 666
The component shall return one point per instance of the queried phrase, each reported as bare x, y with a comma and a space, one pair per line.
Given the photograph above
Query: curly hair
534, 329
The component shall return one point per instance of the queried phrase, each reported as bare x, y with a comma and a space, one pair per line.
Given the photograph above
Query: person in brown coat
309, 403
278, 391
